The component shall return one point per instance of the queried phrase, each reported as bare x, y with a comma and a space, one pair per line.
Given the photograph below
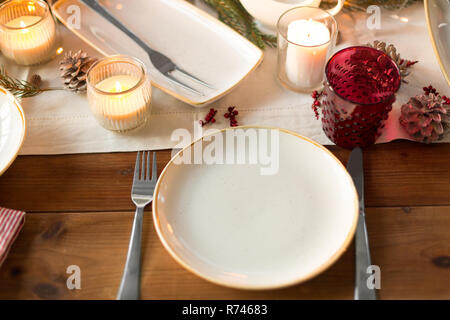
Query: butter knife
362, 252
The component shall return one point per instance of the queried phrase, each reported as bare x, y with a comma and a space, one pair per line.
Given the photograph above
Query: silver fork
142, 195
161, 62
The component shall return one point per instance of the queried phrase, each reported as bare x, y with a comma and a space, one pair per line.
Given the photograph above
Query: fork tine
154, 168
148, 166
194, 78
181, 84
143, 166
136, 166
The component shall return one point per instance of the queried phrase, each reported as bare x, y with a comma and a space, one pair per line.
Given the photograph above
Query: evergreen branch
232, 13
19, 88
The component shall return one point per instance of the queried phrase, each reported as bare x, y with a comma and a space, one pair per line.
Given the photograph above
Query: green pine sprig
19, 88
232, 13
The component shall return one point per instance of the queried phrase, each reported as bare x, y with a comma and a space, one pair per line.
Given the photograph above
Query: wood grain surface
411, 246
80, 213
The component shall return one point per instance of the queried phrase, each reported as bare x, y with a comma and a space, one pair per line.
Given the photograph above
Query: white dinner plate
437, 13
194, 40
12, 129
234, 226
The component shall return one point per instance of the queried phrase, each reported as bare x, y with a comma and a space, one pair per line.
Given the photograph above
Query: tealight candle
116, 84
306, 37
119, 93
27, 31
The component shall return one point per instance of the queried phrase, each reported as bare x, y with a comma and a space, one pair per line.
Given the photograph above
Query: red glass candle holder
359, 91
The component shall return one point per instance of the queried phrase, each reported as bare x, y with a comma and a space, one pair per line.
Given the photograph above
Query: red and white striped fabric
11, 222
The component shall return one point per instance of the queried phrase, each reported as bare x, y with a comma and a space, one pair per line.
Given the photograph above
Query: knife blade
362, 251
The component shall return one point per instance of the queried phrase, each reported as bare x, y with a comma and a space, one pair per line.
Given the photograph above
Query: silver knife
362, 253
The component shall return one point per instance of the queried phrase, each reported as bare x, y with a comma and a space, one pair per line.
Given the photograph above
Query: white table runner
59, 122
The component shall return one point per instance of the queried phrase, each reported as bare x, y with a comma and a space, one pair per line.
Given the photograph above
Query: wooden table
79, 212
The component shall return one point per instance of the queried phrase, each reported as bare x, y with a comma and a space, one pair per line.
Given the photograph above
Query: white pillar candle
29, 38
306, 53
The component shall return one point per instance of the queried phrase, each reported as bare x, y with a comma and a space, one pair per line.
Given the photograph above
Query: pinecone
402, 64
426, 118
74, 69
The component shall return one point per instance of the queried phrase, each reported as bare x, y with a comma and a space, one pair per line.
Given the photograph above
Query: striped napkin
11, 222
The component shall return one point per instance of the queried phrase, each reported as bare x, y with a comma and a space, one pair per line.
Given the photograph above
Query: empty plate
12, 129
194, 40
255, 208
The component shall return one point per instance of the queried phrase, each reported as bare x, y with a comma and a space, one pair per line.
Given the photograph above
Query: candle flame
23, 25
59, 50
31, 7
118, 87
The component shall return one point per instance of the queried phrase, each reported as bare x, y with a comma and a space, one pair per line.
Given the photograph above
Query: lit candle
306, 53
28, 31
23, 22
121, 106
117, 84
120, 102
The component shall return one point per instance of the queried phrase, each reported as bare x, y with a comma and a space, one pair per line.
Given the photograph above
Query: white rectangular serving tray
194, 40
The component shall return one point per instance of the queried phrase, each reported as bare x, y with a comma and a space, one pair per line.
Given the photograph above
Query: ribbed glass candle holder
27, 31
119, 92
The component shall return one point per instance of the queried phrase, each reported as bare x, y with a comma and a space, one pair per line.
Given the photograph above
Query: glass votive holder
306, 38
358, 94
27, 31
119, 92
